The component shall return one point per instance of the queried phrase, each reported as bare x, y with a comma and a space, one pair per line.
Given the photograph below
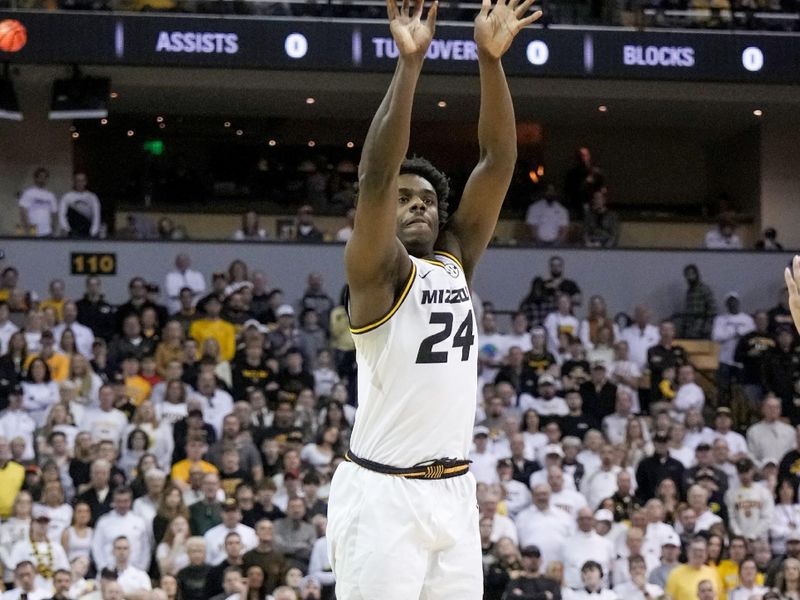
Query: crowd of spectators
179, 443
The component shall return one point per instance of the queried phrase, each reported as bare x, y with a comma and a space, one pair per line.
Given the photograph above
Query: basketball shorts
391, 538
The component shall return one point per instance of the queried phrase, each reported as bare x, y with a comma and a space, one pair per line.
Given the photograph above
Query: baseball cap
744, 464
531, 551
604, 515
769, 461
671, 539
284, 310
480, 430
547, 380
294, 436
732, 294
553, 449
705, 473
723, 410
230, 504
254, 323
702, 447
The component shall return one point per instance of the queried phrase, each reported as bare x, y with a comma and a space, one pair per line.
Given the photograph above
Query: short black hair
441, 184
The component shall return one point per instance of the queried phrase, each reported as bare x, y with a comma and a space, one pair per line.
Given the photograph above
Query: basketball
12, 35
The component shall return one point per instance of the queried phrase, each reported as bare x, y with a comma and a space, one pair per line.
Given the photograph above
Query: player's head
422, 204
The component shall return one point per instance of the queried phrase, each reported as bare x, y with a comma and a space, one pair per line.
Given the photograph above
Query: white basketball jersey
417, 371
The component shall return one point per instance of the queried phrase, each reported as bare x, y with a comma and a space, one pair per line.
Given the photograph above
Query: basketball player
403, 515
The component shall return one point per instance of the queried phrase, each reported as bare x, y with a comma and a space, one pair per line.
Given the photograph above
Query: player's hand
496, 26
792, 277
411, 34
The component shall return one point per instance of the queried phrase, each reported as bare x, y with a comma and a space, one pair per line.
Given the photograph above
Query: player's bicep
373, 251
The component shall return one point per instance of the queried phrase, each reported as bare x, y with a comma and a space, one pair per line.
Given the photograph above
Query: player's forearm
387, 140
497, 131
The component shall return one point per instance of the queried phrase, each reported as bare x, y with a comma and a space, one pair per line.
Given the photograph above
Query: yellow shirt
56, 305
683, 580
180, 470
341, 338
58, 365
165, 354
220, 330
729, 575
11, 478
137, 388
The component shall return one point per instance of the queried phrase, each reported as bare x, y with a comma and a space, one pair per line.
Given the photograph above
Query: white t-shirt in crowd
40, 204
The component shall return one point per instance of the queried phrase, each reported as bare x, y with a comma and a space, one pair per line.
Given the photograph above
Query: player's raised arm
792, 276
374, 255
474, 222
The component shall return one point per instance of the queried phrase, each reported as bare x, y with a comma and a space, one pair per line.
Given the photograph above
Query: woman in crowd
498, 573
86, 381
786, 516
173, 408
334, 416
667, 492
60, 419
13, 530
12, 363
637, 443
146, 462
34, 326
159, 437
169, 584
54, 504
135, 446
716, 550
82, 456
67, 344
150, 330
77, 538
788, 580
321, 452
170, 507
256, 583
534, 439
39, 392
251, 230
171, 553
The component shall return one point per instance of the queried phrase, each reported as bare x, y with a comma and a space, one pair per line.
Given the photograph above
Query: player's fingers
512, 4
418, 5
796, 267
391, 9
532, 18
790, 282
404, 11
522, 9
432, 11
486, 5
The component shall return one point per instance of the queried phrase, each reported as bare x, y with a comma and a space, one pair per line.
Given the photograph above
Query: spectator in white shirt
723, 421
231, 523
24, 580
183, 277
697, 499
616, 424
548, 220
689, 395
544, 525
728, 329
135, 582
7, 328
517, 495
770, 437
121, 521
38, 206
484, 461
251, 230
84, 337
602, 483
567, 498
641, 336
494, 347
585, 544
638, 588
723, 236
623, 371
548, 404
502, 526
560, 321
16, 422
592, 579
747, 588
105, 422
79, 210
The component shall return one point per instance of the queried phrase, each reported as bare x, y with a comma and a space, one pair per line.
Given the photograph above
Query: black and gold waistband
442, 468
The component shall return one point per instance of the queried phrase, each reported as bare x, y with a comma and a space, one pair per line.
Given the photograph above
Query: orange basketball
12, 35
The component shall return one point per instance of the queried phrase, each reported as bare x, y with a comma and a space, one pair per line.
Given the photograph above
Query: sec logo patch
452, 270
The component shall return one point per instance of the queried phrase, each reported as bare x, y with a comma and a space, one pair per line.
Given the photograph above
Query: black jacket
653, 470
97, 315
532, 588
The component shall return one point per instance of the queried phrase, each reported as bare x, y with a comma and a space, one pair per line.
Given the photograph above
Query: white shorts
403, 539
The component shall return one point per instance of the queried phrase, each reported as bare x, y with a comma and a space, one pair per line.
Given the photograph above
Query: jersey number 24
463, 339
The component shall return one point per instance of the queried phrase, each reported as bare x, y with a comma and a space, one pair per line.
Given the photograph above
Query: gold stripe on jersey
438, 263
394, 308
450, 256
